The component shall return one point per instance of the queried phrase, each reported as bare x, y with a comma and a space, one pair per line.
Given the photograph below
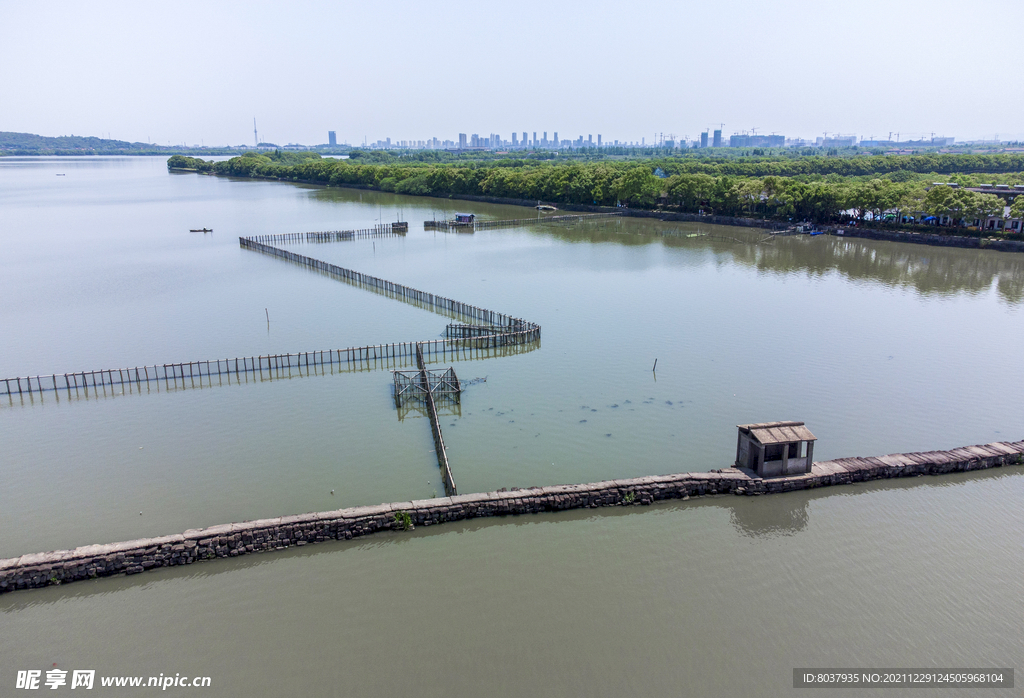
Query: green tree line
607, 183
779, 166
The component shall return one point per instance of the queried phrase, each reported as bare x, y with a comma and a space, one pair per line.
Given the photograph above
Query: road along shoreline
37, 570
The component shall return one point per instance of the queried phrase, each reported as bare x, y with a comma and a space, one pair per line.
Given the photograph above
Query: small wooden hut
775, 448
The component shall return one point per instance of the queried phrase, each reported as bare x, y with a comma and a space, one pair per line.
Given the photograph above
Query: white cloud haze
191, 72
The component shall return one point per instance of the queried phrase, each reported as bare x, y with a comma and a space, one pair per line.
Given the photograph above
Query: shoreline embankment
37, 570
909, 236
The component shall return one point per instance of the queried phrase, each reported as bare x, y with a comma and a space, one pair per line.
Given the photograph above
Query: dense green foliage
754, 162
925, 163
1017, 209
813, 193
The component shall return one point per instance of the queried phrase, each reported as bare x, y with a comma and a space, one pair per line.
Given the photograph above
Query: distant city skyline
709, 138
706, 139
493, 141
794, 67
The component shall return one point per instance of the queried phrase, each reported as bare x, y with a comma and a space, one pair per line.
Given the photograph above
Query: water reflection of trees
926, 269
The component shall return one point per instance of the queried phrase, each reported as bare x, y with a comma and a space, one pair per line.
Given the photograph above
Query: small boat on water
545, 208
200, 230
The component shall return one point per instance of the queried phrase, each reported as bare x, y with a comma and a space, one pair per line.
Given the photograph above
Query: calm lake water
880, 347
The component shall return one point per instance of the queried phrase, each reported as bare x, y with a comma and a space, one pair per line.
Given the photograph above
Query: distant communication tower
255, 133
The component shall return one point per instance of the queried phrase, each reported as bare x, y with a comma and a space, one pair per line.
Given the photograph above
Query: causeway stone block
899, 459
827, 468
1002, 448
218, 530
435, 503
363, 512
298, 519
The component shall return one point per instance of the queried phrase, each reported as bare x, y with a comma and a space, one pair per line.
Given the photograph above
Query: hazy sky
191, 72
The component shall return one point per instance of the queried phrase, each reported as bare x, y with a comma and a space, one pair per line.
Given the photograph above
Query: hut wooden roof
779, 432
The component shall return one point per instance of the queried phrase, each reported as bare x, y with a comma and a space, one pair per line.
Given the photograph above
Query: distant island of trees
12, 143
